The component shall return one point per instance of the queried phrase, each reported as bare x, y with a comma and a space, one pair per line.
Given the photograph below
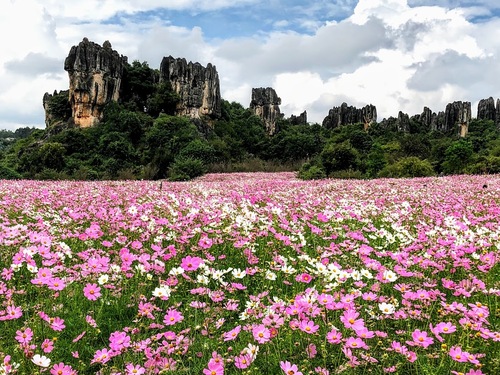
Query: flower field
251, 274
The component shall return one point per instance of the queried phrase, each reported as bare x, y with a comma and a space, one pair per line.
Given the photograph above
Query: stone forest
121, 120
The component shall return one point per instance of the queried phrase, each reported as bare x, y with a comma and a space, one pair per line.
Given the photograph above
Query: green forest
131, 142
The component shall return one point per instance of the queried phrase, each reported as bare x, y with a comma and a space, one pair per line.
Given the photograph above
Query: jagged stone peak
197, 86
347, 115
265, 104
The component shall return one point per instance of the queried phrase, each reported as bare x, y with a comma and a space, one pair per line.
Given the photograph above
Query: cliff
197, 86
346, 115
265, 104
95, 75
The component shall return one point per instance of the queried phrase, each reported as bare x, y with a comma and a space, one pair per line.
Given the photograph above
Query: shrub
7, 173
183, 169
408, 167
311, 172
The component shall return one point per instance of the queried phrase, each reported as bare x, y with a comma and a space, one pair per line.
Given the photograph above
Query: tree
337, 157
457, 156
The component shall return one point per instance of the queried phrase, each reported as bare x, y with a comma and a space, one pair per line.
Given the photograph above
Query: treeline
140, 138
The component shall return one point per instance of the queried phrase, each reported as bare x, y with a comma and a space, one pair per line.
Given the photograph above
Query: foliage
408, 167
310, 171
457, 156
186, 168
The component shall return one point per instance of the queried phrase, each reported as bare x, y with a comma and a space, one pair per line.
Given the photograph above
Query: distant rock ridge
95, 75
197, 86
347, 115
265, 104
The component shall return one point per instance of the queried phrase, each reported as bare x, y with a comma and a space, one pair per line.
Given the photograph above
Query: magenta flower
134, 369
303, 278
205, 242
458, 355
119, 340
190, 263
92, 292
290, 369
62, 369
355, 343
242, 361
172, 317
232, 334
349, 318
47, 346
420, 338
101, 356
308, 326
261, 333
334, 337
24, 336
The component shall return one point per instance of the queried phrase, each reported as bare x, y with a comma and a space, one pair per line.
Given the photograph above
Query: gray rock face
300, 119
197, 86
347, 115
265, 104
95, 75
403, 122
457, 115
486, 109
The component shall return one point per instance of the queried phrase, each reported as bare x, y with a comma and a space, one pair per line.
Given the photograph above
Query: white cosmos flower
162, 291
176, 271
386, 308
202, 279
390, 276
103, 279
238, 274
40, 360
270, 275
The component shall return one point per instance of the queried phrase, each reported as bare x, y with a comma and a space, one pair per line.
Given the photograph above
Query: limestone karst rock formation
486, 109
299, 120
457, 115
197, 86
346, 115
95, 75
265, 104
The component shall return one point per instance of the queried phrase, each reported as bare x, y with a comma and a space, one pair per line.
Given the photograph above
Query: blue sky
395, 54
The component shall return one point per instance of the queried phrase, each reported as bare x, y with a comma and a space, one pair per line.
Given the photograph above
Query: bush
348, 174
408, 167
311, 172
183, 169
7, 173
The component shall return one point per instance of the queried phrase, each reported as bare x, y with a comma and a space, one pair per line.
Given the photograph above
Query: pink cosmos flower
311, 350
349, 318
242, 361
92, 292
62, 369
334, 337
134, 369
190, 263
47, 346
355, 343
232, 334
55, 283
57, 324
420, 338
24, 336
443, 327
119, 340
458, 355
303, 278
101, 356
261, 333
12, 312
308, 326
205, 242
172, 317
290, 369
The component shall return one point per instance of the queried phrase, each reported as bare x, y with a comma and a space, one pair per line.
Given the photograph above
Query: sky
399, 55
